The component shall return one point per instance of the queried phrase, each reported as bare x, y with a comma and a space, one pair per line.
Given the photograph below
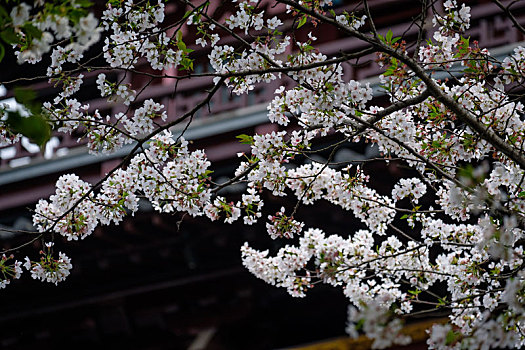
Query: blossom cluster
9, 271
455, 20
281, 225
413, 188
376, 325
49, 269
251, 205
168, 175
53, 25
463, 248
109, 133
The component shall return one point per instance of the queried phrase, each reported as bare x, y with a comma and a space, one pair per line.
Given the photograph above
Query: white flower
88, 23
49, 269
201, 42
273, 23
20, 14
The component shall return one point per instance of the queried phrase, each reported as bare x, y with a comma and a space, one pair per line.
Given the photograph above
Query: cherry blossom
446, 232
49, 269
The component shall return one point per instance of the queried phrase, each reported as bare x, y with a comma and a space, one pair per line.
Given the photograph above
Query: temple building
175, 282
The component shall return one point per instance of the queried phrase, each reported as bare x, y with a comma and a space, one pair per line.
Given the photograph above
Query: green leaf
396, 39
521, 194
76, 14
451, 337
3, 12
83, 3
35, 127
27, 98
359, 325
24, 96
187, 14
388, 36
389, 71
9, 36
32, 31
2, 52
187, 63
466, 172
394, 62
302, 21
246, 139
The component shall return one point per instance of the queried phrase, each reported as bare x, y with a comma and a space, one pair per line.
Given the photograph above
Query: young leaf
246, 139
389, 36
302, 21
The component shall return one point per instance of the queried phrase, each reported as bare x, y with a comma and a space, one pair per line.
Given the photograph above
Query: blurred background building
174, 282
